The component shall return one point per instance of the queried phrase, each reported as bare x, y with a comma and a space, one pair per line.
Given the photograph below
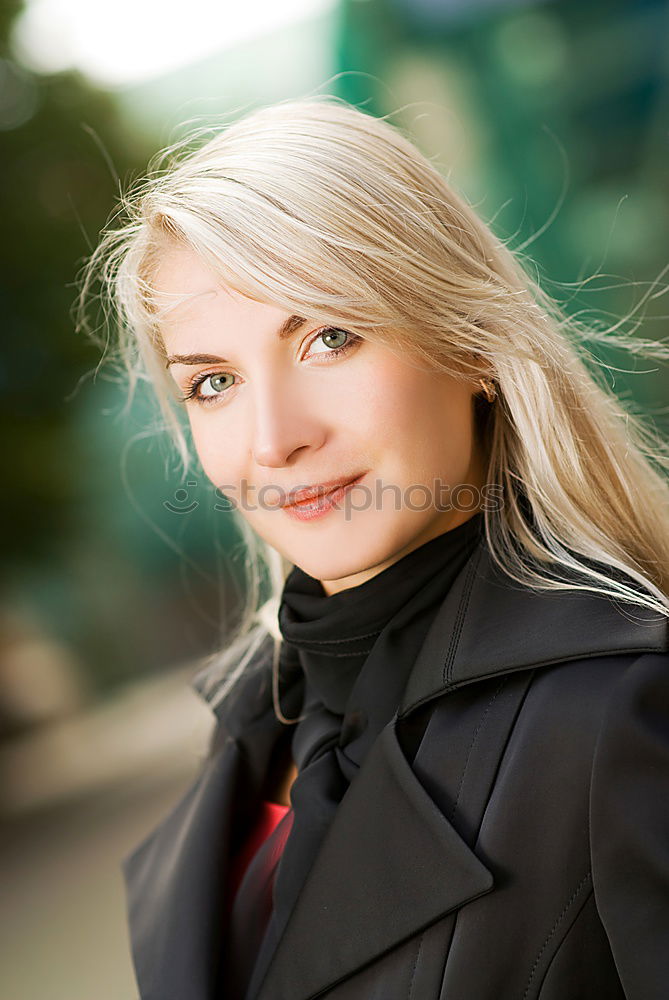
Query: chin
351, 550
329, 566
346, 560
330, 570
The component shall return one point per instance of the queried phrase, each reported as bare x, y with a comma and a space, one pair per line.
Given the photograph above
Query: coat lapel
401, 863
174, 881
176, 877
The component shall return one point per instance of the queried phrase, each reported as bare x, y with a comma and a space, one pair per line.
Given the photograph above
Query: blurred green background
552, 118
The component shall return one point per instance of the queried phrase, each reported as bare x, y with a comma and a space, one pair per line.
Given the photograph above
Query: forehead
186, 296
181, 276
183, 282
190, 299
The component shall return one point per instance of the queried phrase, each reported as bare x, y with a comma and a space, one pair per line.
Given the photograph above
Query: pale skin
279, 413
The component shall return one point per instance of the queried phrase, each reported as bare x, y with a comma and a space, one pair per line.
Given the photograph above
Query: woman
441, 770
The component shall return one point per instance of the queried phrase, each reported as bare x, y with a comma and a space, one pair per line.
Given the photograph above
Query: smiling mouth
306, 496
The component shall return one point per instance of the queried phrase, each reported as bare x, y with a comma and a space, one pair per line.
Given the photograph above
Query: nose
285, 423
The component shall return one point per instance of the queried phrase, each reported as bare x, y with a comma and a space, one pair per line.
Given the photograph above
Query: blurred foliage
56, 190
552, 118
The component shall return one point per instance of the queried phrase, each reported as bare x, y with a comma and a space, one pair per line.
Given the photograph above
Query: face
273, 414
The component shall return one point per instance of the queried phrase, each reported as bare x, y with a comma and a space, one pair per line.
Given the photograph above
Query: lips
312, 493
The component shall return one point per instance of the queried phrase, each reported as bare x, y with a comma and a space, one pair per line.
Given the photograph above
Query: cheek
220, 464
379, 399
431, 424
398, 402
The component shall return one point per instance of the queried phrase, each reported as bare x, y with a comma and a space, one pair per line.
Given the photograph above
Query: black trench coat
513, 845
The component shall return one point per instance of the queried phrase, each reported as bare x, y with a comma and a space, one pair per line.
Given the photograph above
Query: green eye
214, 382
344, 340
334, 334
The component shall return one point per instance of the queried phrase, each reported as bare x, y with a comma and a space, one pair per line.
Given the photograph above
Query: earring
488, 387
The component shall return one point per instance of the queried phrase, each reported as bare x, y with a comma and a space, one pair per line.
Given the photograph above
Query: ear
473, 367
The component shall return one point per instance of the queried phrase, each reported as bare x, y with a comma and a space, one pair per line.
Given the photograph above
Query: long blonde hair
324, 210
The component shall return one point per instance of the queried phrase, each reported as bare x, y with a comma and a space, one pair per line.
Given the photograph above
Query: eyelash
194, 383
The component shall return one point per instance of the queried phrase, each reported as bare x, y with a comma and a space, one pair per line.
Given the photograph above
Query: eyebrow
285, 331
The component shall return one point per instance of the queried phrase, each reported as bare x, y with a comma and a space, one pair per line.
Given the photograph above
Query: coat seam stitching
474, 739
512, 669
459, 622
415, 966
553, 931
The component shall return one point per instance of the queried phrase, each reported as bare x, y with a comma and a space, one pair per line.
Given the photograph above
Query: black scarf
350, 655
356, 648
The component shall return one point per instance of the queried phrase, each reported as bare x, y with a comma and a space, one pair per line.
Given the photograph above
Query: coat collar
490, 624
487, 625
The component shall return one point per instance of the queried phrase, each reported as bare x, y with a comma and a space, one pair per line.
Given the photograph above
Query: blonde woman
440, 768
